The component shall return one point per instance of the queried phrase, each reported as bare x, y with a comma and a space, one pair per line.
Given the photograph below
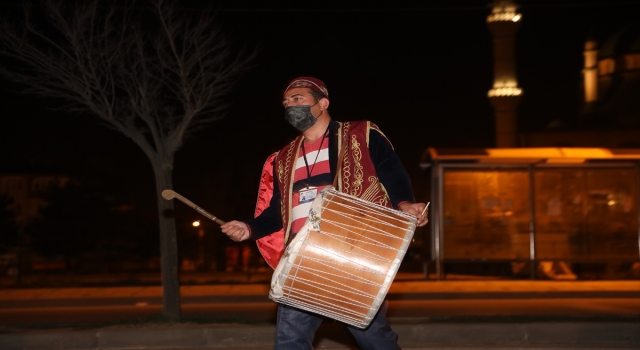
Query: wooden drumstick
171, 194
425, 208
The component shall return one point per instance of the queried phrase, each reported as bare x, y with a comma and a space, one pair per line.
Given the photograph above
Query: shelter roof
545, 155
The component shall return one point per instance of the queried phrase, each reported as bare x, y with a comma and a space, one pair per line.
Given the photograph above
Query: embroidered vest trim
356, 175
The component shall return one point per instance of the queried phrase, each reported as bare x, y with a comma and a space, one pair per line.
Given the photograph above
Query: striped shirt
315, 173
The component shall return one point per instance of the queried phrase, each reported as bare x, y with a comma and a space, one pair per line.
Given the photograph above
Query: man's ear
324, 103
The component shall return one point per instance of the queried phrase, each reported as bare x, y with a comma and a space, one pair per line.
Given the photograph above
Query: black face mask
300, 117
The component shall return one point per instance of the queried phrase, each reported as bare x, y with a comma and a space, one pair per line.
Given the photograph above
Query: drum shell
344, 259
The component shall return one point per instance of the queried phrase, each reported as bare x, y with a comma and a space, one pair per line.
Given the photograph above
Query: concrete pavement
616, 328
332, 336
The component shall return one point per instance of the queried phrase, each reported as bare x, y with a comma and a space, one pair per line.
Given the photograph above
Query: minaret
590, 72
505, 95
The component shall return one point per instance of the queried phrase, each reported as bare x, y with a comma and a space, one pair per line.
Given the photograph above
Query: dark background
419, 69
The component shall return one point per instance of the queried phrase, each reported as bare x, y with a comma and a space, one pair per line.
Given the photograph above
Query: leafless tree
154, 72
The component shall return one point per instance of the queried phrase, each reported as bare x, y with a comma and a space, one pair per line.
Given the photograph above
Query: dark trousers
295, 330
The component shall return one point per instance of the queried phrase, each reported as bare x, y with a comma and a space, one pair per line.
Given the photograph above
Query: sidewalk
471, 331
332, 336
404, 286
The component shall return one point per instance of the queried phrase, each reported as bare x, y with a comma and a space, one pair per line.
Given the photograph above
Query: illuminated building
612, 79
610, 113
566, 205
505, 95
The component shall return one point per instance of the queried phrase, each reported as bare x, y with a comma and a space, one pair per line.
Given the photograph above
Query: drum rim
294, 246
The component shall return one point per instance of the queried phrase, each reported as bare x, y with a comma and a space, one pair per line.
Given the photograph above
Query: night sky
418, 69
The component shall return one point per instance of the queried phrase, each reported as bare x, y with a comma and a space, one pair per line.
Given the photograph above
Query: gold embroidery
346, 164
370, 194
292, 157
282, 211
356, 190
385, 200
281, 181
368, 131
285, 179
376, 192
280, 172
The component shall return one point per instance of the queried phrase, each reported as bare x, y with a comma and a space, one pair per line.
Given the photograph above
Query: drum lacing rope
318, 297
334, 315
332, 193
327, 309
333, 304
312, 283
290, 292
359, 267
366, 253
316, 300
295, 277
366, 226
371, 229
370, 211
338, 237
356, 203
353, 277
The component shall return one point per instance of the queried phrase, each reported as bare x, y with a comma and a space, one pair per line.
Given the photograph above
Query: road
109, 310
426, 314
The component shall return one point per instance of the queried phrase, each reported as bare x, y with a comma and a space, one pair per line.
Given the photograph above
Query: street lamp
200, 261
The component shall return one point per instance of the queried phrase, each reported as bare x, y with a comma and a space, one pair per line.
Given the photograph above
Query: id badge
308, 194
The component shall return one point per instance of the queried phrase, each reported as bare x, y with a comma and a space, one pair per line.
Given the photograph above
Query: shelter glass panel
586, 214
486, 214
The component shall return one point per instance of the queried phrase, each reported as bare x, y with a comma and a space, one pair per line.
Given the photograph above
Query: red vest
355, 176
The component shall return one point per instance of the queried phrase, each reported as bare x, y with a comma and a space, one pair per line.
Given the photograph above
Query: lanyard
304, 155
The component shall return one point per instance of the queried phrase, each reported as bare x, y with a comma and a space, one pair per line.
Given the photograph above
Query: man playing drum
356, 158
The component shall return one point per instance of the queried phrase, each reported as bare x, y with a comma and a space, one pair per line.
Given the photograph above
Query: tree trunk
168, 242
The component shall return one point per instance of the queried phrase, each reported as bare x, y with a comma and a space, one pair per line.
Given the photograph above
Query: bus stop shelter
552, 213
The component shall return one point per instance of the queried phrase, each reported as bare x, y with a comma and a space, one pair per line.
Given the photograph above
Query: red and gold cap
308, 82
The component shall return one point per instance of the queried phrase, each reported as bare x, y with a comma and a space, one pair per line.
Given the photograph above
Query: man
354, 157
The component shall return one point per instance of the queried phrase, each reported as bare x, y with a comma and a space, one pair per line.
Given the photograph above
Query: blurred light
611, 202
505, 91
549, 152
504, 17
196, 223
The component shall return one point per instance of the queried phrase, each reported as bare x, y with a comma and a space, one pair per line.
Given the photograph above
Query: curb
335, 336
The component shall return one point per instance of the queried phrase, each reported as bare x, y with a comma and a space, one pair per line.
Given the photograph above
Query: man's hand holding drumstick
420, 210
236, 230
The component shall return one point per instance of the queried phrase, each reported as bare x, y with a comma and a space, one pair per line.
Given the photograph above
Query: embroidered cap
308, 82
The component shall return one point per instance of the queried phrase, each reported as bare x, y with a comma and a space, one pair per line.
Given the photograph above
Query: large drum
344, 259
